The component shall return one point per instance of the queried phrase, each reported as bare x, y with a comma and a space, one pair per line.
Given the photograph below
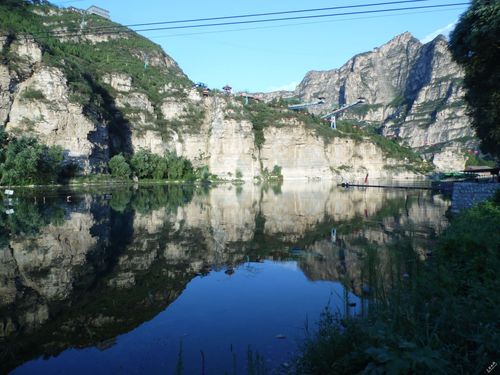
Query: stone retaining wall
466, 194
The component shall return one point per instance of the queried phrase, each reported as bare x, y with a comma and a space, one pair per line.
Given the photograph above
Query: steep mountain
414, 94
97, 89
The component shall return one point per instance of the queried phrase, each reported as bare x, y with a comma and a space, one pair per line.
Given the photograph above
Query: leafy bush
475, 160
147, 165
33, 94
28, 162
119, 167
274, 174
144, 163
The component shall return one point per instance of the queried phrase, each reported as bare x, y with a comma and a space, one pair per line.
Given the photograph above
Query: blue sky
270, 56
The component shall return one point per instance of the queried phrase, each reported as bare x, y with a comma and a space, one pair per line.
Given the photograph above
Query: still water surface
154, 279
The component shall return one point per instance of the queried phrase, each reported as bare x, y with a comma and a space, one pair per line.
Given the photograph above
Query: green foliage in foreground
474, 45
440, 317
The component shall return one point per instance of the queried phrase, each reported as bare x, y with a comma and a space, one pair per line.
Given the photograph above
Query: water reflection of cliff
78, 274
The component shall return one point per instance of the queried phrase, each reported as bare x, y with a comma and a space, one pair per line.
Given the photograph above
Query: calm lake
180, 279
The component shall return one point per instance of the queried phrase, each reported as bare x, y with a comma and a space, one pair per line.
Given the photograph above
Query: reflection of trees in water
145, 200
137, 268
101, 303
25, 217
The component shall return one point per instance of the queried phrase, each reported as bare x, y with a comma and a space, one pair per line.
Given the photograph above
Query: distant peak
440, 38
404, 37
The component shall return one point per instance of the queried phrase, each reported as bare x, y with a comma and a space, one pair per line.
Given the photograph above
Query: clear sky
274, 55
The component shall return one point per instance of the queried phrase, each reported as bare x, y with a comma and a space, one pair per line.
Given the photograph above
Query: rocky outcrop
93, 115
41, 107
302, 154
414, 94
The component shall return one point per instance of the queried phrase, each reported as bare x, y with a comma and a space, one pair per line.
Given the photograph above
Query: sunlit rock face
41, 107
414, 92
40, 100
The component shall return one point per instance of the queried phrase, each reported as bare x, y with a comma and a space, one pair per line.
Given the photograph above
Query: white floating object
10, 211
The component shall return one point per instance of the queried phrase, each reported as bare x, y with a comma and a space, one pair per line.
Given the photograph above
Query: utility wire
287, 52
298, 17
118, 27
264, 14
296, 24
89, 32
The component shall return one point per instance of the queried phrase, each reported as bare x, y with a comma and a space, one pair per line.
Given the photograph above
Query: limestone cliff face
94, 114
414, 93
41, 107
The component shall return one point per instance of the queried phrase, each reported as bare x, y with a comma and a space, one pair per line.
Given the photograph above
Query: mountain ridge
414, 94
98, 97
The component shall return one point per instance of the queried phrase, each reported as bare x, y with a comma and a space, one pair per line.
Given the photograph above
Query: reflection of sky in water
253, 306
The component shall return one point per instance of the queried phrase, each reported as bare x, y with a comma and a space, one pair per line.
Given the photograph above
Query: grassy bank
423, 317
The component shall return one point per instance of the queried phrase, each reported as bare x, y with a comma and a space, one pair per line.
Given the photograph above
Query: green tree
28, 162
474, 45
145, 163
119, 167
161, 169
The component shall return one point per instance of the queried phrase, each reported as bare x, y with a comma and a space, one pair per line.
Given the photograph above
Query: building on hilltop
99, 11
76, 10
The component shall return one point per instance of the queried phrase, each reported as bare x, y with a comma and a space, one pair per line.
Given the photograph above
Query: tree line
25, 161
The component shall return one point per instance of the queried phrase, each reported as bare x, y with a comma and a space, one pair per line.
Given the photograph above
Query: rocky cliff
99, 95
414, 94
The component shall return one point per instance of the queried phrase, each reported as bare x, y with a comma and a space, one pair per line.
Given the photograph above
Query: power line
298, 17
85, 32
297, 24
265, 14
118, 27
288, 25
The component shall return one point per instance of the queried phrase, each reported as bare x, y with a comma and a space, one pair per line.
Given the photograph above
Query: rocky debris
450, 157
26, 52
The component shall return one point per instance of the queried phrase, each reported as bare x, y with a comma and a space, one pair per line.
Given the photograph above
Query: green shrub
147, 165
28, 162
119, 167
144, 163
33, 94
